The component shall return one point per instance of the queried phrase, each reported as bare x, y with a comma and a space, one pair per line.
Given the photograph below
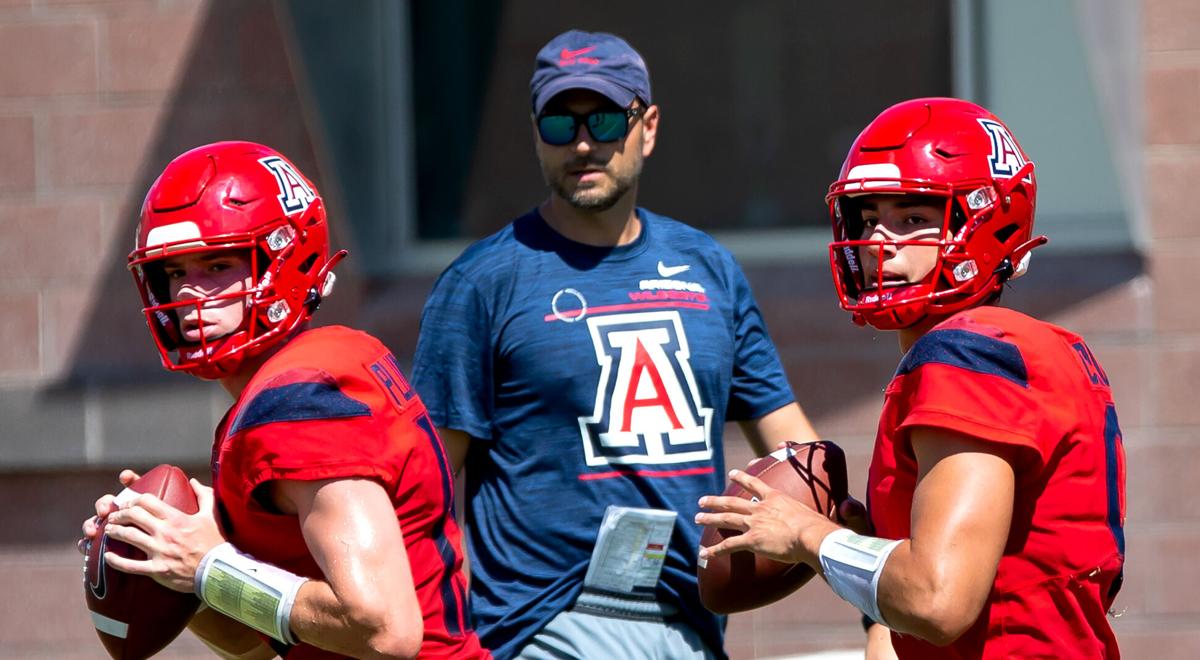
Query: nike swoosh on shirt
671, 271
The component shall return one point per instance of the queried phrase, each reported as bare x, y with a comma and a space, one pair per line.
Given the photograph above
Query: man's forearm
228, 638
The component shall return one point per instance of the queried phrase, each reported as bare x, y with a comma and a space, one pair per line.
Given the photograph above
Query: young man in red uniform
996, 491
332, 500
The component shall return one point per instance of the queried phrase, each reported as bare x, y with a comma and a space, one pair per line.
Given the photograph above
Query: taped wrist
255, 593
852, 565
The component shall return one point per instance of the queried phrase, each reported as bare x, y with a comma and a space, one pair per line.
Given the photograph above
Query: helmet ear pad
952, 149
233, 195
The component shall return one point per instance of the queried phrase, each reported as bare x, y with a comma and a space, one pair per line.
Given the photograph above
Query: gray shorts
577, 634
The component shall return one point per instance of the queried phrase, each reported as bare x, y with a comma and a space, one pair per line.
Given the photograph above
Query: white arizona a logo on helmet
295, 195
1006, 159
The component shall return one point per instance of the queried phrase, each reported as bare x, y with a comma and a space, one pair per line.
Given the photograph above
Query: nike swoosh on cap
572, 54
671, 271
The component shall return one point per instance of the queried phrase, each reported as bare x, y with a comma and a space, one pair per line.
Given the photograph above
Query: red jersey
1000, 376
330, 404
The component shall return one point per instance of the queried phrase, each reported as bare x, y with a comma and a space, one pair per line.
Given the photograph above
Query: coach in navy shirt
589, 355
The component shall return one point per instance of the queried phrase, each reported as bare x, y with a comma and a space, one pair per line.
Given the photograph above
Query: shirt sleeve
452, 368
973, 384
759, 384
310, 429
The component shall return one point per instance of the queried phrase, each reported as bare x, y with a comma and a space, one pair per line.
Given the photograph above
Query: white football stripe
782, 454
109, 626
125, 497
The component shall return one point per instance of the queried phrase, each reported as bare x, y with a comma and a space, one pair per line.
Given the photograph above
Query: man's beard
593, 198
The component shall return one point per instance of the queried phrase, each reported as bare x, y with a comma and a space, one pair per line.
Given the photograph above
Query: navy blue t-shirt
588, 376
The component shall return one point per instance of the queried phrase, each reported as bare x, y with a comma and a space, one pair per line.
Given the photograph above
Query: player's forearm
933, 593
879, 643
934, 598
371, 617
228, 638
366, 605
367, 628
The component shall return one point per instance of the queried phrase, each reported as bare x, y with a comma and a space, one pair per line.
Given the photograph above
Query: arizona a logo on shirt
648, 408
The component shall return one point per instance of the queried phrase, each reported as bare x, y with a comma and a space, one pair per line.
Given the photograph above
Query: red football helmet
942, 148
233, 196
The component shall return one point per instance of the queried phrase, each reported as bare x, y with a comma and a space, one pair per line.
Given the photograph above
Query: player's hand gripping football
174, 542
773, 524
104, 506
850, 512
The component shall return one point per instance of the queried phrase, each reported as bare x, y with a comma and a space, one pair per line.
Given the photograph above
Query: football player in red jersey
996, 492
329, 530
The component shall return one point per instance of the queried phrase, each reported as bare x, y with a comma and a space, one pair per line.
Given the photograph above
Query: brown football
135, 616
813, 473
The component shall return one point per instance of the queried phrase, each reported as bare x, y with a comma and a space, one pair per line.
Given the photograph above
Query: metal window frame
808, 245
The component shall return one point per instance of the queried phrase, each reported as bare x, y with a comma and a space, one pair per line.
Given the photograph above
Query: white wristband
256, 593
852, 565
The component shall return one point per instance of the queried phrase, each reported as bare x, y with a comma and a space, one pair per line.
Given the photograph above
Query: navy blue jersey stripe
1113, 439
449, 556
967, 350
1112, 442
446, 476
297, 402
452, 617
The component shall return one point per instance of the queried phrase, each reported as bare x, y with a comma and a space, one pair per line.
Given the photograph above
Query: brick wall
82, 89
1159, 359
95, 98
